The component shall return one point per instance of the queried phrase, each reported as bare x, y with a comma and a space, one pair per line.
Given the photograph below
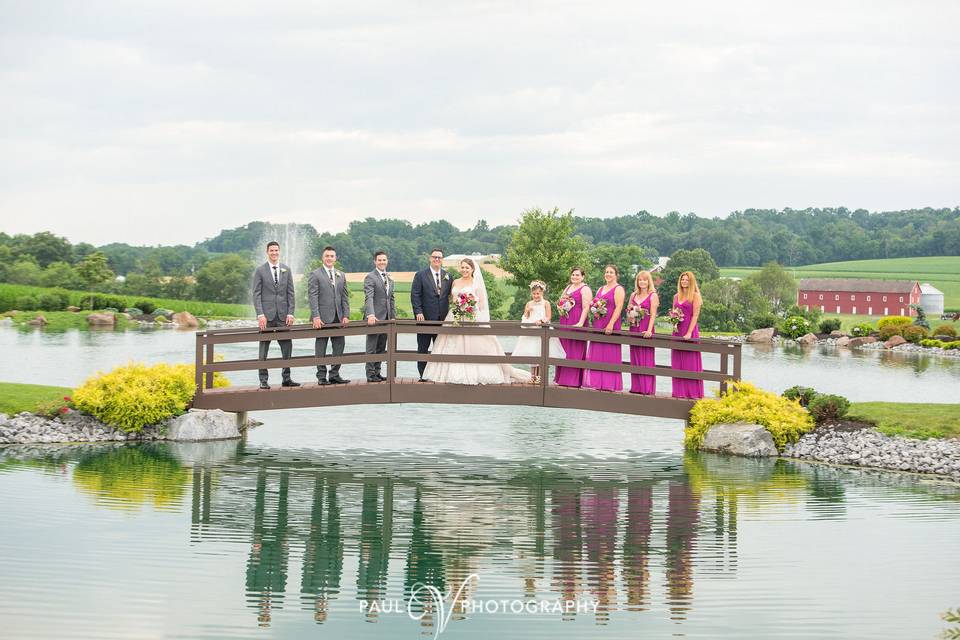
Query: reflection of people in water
424, 558
376, 531
267, 563
567, 541
682, 517
323, 552
598, 507
636, 545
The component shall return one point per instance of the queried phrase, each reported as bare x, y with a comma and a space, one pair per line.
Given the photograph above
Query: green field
911, 420
15, 398
943, 272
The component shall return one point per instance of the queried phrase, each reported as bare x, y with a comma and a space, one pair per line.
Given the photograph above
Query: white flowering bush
796, 326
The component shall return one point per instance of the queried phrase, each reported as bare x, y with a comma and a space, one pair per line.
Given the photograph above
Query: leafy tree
47, 248
24, 271
225, 279
61, 274
93, 270
179, 288
497, 296
698, 261
629, 258
544, 247
776, 285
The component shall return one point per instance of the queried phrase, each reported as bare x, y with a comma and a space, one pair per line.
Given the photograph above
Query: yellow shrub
894, 321
785, 419
136, 395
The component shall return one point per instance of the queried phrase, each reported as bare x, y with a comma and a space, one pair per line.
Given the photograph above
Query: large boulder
843, 341
836, 333
856, 342
761, 335
73, 309
810, 338
895, 341
101, 320
185, 319
39, 321
203, 424
740, 439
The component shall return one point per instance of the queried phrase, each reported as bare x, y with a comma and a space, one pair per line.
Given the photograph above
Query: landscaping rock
101, 320
185, 319
203, 424
6, 322
73, 309
856, 342
843, 341
895, 341
836, 333
740, 439
761, 335
808, 339
39, 321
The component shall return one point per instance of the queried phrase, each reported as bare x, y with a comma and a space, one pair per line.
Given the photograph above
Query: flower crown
538, 283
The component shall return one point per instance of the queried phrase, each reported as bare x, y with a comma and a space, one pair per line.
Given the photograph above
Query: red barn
857, 296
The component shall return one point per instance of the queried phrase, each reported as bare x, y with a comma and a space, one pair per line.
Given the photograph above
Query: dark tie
437, 276
384, 276
330, 273
276, 278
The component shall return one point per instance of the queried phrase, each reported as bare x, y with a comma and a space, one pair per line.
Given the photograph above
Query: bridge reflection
618, 535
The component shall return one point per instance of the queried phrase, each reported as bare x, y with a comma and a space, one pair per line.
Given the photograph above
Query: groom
430, 299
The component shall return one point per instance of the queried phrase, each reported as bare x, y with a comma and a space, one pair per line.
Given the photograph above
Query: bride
471, 280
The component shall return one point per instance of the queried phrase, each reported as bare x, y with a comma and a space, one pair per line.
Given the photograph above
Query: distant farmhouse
860, 296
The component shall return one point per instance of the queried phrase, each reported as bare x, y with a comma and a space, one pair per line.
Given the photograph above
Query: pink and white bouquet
675, 316
465, 307
636, 313
598, 308
564, 305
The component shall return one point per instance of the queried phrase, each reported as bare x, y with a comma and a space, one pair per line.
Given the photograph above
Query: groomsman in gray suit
273, 300
378, 304
329, 304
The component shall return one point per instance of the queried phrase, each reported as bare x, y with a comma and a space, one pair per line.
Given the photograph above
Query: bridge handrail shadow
396, 389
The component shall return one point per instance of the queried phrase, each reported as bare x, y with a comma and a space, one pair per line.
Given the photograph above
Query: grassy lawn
911, 420
15, 398
943, 272
60, 320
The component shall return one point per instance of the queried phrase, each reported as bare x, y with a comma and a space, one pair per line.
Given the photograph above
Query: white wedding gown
471, 373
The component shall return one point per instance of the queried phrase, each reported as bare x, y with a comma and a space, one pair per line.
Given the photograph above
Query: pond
560, 524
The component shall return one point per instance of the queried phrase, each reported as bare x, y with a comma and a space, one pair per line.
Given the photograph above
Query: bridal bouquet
465, 308
675, 316
636, 313
564, 305
598, 308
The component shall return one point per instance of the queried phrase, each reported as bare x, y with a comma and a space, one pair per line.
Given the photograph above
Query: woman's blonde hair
538, 284
652, 288
692, 291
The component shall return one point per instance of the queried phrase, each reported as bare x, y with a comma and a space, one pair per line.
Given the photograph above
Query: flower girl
536, 312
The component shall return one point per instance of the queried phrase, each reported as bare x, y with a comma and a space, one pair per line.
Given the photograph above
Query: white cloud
166, 123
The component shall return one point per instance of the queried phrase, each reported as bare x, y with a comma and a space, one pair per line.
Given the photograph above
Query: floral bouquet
564, 305
598, 308
635, 314
675, 316
465, 308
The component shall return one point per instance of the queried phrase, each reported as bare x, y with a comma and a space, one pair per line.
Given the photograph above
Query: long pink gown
643, 356
574, 349
605, 352
686, 360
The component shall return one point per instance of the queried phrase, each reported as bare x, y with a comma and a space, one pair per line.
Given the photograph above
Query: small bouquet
465, 308
635, 314
598, 308
564, 305
675, 316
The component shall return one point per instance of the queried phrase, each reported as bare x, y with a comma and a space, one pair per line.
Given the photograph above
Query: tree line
217, 269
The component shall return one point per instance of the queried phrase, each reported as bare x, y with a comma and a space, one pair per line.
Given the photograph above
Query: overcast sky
163, 122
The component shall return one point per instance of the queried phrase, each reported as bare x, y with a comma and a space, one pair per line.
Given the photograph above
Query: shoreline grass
909, 419
16, 397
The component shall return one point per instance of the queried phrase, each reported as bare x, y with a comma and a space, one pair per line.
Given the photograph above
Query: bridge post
724, 368
209, 377
544, 359
242, 420
198, 374
391, 357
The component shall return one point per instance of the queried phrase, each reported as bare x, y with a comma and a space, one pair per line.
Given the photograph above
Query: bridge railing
396, 389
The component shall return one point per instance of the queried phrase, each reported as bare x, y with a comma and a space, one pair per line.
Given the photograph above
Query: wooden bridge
396, 389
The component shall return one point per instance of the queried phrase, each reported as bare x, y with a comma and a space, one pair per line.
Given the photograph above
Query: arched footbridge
401, 348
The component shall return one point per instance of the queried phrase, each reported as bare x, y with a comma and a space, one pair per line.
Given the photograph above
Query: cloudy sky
163, 122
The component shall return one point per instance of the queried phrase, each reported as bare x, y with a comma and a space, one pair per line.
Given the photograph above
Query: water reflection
639, 537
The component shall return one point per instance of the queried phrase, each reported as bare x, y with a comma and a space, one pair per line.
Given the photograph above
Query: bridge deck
398, 389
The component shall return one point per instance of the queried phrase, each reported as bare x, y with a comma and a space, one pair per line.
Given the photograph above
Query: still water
322, 523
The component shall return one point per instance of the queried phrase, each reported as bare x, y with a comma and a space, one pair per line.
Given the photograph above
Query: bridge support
242, 420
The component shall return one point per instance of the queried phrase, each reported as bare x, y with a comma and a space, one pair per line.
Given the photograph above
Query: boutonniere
282, 270
446, 276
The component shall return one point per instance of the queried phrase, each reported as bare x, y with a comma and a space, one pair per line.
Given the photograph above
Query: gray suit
330, 303
275, 301
378, 301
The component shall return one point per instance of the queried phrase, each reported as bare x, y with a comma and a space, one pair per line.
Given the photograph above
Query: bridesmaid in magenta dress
605, 352
580, 294
644, 298
688, 301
